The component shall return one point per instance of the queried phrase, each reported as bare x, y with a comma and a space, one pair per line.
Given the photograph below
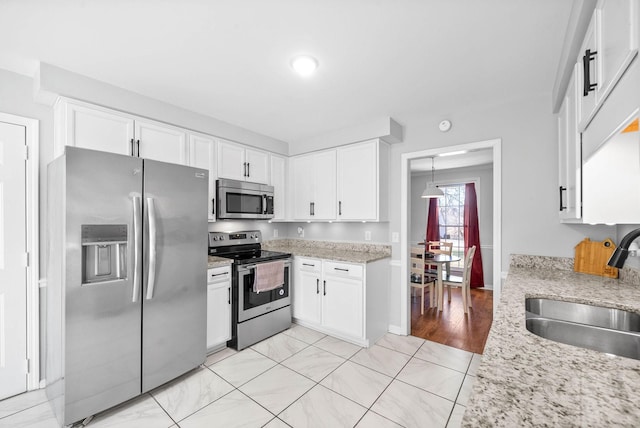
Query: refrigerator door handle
151, 209
137, 235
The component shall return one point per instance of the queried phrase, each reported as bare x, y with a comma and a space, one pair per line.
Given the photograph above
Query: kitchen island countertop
525, 380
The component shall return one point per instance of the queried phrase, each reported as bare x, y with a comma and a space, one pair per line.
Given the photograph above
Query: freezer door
175, 274
101, 311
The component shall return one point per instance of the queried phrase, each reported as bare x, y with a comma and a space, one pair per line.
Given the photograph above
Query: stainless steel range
256, 313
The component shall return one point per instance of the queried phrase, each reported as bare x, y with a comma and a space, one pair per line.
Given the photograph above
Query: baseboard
395, 329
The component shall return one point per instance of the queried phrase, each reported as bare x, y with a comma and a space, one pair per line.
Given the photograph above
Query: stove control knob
222, 238
215, 238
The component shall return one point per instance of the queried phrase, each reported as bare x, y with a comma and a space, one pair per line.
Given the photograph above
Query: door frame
405, 221
32, 258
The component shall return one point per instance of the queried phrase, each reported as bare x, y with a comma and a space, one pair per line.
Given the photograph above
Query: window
451, 219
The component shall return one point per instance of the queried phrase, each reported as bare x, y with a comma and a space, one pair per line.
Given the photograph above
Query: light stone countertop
215, 262
338, 251
525, 380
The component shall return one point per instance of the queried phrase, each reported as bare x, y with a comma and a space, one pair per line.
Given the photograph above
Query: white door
342, 305
202, 153
324, 202
257, 166
302, 186
358, 182
307, 290
161, 142
13, 282
231, 161
278, 181
98, 129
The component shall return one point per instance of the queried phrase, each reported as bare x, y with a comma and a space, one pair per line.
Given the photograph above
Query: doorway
19, 309
494, 146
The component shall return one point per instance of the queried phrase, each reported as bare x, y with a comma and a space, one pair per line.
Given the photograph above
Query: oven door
250, 304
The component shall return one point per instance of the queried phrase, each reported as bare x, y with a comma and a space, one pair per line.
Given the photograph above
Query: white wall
484, 189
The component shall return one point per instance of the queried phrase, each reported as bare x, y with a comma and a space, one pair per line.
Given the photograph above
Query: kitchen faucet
620, 254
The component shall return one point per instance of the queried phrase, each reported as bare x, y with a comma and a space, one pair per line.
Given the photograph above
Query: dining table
440, 260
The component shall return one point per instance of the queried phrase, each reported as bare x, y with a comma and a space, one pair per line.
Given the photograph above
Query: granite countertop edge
215, 262
347, 256
525, 380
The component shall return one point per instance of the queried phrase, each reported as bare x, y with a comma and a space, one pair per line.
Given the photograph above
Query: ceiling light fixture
432, 191
304, 65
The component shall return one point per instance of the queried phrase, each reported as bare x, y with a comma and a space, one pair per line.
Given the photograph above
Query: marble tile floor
298, 378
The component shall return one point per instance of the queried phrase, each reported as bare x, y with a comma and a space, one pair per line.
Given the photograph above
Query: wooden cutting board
592, 256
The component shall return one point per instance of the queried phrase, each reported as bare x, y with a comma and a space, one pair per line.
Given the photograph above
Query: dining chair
464, 282
438, 247
419, 278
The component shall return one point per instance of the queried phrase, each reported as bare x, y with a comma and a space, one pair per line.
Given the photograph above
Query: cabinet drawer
220, 274
308, 265
343, 269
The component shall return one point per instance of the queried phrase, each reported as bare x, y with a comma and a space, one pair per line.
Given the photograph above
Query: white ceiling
230, 59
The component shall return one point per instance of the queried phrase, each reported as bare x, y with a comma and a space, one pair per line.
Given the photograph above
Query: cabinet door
306, 291
617, 40
218, 314
97, 129
342, 305
302, 185
161, 142
231, 161
358, 182
324, 200
257, 166
202, 154
278, 181
570, 154
589, 75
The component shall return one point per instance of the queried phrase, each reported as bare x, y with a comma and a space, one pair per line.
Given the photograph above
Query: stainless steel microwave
244, 200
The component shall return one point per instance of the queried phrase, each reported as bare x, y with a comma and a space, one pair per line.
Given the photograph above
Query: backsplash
628, 275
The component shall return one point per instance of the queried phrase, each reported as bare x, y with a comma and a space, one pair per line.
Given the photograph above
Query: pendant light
432, 191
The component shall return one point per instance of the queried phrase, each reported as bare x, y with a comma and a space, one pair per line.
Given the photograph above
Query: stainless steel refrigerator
126, 279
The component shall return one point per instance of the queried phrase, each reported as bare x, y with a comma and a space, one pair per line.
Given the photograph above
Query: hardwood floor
452, 326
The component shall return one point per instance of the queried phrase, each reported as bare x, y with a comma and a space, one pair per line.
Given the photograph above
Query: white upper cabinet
589, 63
617, 38
279, 183
609, 46
569, 155
160, 142
313, 183
240, 163
362, 177
92, 128
202, 154
85, 125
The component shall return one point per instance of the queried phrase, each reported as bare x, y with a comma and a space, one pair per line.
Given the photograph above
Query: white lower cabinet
344, 300
218, 306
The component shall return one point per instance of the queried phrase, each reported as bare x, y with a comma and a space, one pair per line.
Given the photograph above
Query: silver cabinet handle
324, 288
317, 285
339, 207
308, 264
342, 269
219, 274
137, 234
151, 283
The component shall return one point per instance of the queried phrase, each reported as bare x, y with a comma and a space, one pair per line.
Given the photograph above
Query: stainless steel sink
613, 331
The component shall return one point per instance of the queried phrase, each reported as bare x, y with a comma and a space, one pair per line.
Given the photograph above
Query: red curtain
472, 234
433, 226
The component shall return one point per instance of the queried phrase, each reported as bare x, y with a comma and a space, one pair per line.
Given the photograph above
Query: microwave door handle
137, 234
264, 204
151, 209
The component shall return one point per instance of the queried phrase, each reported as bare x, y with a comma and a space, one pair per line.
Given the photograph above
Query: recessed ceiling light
304, 65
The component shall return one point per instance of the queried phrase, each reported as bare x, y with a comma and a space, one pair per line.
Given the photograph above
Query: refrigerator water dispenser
104, 253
